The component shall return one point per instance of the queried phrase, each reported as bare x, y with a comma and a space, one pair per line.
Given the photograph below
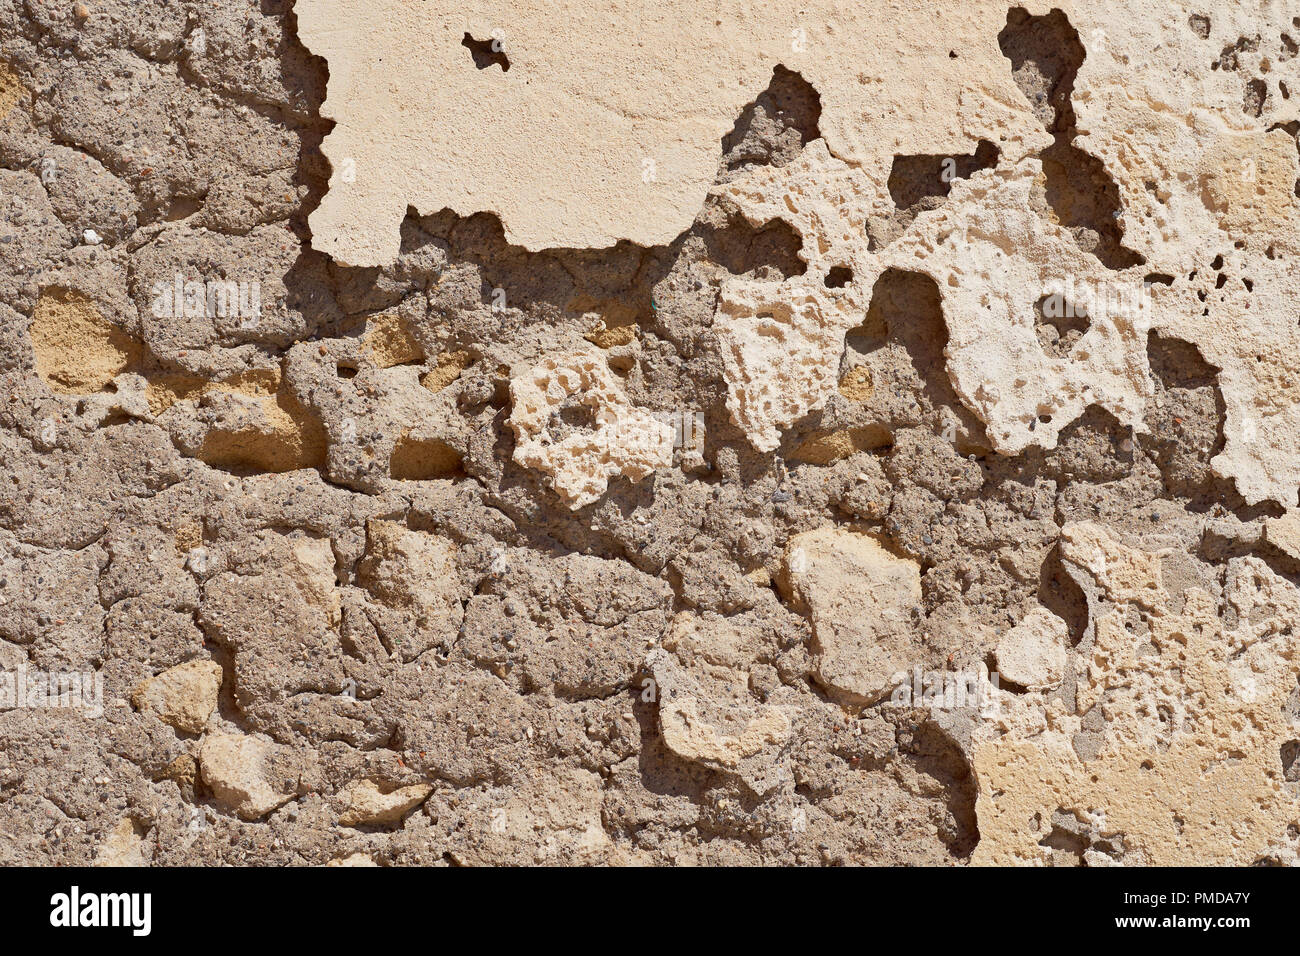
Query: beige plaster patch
605, 127
1189, 770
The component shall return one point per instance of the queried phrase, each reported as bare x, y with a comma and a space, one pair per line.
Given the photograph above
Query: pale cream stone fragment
369, 803
707, 715
123, 847
606, 127
1032, 654
861, 600
689, 735
605, 435
412, 570
1284, 533
239, 769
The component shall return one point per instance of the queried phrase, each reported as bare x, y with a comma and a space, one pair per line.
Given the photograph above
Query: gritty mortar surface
418, 477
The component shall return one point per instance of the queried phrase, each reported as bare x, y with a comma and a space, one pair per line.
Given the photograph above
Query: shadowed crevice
1045, 54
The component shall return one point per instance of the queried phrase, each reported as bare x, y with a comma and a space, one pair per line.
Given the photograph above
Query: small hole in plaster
838, 277
486, 53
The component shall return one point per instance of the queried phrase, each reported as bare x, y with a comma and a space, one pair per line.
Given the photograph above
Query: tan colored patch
608, 338
856, 385
77, 350
241, 772
616, 322
447, 370
389, 339
373, 803
859, 598
11, 89
255, 383
165, 390
1251, 181
292, 438
1284, 533
422, 459
124, 846
826, 447
188, 536
1124, 574
1032, 654
184, 770
183, 696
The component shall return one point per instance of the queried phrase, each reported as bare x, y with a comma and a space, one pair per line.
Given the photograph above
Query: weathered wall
596, 460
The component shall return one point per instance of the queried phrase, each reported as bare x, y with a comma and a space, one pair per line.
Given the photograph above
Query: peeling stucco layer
558, 145
569, 152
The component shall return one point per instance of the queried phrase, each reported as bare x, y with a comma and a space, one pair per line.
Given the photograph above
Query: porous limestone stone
781, 342
1032, 654
245, 773
1206, 170
861, 600
184, 696
781, 355
572, 421
371, 803
1188, 770
993, 257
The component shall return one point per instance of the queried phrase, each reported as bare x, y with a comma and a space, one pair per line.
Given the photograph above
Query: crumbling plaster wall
610, 442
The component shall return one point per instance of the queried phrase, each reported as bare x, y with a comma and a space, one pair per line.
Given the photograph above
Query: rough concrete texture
618, 433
